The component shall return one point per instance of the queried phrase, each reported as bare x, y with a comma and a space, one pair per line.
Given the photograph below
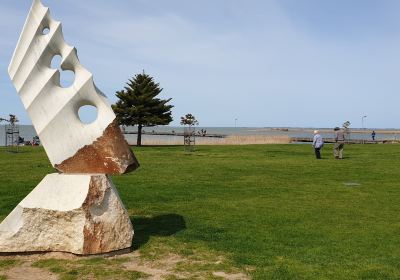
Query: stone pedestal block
80, 214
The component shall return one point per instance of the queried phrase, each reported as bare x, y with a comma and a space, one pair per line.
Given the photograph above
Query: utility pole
363, 127
362, 121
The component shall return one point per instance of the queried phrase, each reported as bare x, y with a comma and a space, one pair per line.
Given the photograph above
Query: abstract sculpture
78, 211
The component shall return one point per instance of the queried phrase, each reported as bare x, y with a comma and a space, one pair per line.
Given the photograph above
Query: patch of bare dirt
167, 266
163, 267
233, 276
25, 271
157, 270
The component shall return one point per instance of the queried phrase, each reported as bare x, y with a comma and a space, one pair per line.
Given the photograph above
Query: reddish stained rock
109, 154
104, 235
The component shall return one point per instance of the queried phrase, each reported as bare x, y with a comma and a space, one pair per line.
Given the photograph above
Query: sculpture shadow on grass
162, 225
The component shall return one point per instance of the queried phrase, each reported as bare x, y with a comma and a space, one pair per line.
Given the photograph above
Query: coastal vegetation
257, 211
228, 140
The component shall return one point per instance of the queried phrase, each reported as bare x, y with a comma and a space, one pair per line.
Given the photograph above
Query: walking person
373, 135
339, 143
318, 143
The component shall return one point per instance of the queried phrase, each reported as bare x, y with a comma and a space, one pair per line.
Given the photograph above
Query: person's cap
316, 131
336, 128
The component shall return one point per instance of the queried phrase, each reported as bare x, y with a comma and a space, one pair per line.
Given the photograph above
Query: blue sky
314, 63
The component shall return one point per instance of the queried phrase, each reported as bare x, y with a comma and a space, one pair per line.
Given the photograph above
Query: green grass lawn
271, 209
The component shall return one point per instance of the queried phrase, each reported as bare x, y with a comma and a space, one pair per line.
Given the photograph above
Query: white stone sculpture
78, 213
70, 144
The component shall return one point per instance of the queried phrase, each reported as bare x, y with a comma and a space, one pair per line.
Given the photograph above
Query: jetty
176, 134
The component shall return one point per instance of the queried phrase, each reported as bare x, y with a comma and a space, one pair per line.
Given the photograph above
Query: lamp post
362, 121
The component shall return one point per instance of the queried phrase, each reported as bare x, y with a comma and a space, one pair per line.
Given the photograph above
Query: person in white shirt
318, 143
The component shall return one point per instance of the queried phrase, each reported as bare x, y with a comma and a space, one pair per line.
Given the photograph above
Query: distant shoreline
353, 131
167, 135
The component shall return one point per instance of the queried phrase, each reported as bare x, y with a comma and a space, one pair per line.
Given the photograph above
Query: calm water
27, 132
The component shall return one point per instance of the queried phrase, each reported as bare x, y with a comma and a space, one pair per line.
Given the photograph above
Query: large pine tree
138, 105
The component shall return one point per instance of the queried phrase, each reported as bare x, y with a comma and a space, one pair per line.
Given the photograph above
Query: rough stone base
79, 214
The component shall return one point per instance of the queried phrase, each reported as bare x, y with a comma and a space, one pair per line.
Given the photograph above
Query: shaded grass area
162, 225
94, 268
273, 209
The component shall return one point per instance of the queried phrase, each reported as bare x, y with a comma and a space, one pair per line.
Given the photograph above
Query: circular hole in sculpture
56, 62
87, 114
67, 77
46, 31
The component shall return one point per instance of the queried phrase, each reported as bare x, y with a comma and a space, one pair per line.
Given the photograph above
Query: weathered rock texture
109, 154
70, 144
80, 214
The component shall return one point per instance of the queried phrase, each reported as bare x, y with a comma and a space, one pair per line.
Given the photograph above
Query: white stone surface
80, 214
52, 108
55, 187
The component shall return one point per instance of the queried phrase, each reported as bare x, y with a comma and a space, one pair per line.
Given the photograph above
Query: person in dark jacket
339, 143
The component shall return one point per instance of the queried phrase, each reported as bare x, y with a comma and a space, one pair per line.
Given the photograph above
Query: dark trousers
317, 152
